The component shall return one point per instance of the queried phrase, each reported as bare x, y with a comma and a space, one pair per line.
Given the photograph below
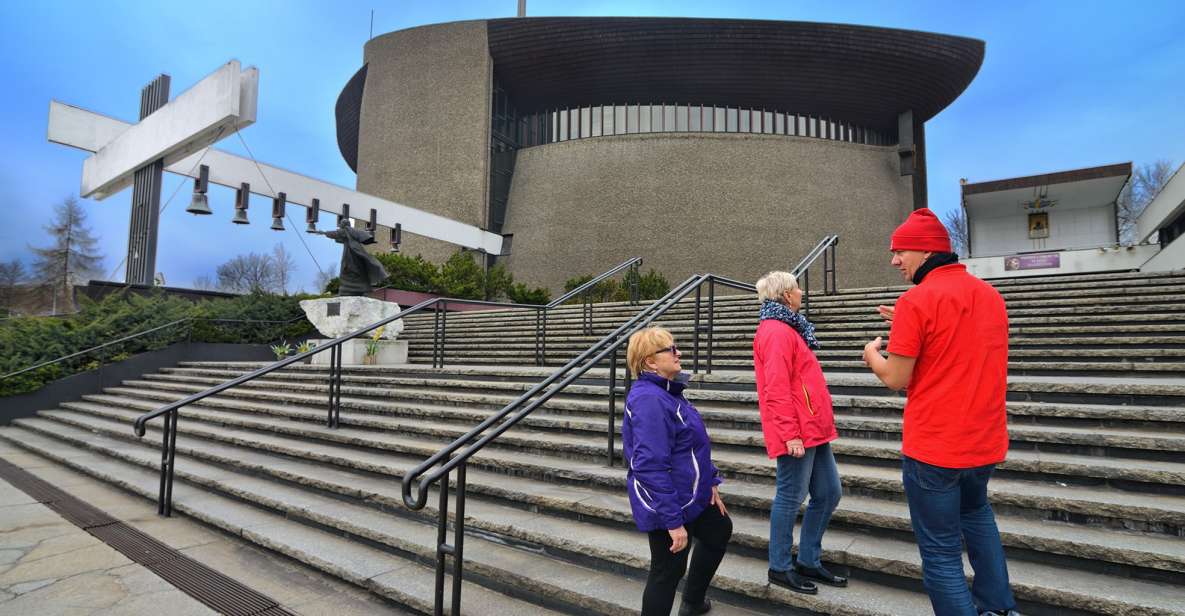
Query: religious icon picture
1038, 226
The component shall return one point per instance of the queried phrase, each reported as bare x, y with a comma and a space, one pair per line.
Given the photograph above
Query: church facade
697, 144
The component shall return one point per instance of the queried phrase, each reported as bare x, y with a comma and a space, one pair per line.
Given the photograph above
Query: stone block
354, 353
337, 316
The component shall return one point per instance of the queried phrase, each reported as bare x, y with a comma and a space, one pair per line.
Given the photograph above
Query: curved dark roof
856, 74
861, 75
348, 113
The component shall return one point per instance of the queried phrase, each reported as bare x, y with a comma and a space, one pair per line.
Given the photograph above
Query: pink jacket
791, 390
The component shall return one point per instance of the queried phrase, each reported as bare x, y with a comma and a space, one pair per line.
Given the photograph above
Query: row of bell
200, 205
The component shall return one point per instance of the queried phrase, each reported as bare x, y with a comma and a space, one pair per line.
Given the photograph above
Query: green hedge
32, 340
460, 277
651, 285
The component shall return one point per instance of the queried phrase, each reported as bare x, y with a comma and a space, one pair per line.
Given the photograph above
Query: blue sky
1063, 85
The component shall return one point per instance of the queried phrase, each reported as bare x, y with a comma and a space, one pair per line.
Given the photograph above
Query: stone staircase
1091, 501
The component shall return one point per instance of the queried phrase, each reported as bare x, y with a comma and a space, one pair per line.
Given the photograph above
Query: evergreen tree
72, 259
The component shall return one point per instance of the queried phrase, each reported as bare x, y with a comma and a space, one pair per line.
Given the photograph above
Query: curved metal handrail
140, 424
635, 261
814, 254
420, 499
95, 348
138, 335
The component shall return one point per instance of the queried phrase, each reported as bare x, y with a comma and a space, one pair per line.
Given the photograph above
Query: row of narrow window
584, 122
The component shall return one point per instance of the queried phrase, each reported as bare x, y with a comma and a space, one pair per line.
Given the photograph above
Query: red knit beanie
921, 231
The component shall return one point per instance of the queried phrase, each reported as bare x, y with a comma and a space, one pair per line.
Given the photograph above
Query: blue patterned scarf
776, 310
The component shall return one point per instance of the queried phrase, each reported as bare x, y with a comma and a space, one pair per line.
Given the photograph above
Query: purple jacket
668, 454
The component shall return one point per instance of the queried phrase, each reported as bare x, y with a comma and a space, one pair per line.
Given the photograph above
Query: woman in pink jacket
798, 425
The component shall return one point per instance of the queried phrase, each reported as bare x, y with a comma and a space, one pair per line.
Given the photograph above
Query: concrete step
1031, 579
526, 571
1091, 505
721, 405
1036, 463
1141, 391
470, 403
403, 581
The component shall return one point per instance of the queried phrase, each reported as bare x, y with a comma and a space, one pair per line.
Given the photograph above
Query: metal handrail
826, 249
814, 254
449, 458
135, 336
634, 262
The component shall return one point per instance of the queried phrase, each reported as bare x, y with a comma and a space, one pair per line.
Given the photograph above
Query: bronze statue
360, 271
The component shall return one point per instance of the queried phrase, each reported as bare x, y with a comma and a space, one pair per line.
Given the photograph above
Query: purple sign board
1046, 260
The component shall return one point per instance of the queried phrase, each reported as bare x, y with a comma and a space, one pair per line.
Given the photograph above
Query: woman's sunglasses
673, 350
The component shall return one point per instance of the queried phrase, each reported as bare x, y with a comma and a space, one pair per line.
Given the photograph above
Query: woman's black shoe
821, 575
690, 610
791, 581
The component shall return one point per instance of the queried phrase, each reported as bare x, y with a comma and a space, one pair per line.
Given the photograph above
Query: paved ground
49, 566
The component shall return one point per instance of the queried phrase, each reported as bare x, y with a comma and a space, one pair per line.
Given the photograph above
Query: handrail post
459, 538
442, 546
443, 329
834, 264
435, 334
168, 458
546, 311
806, 292
329, 407
539, 336
695, 332
826, 270
635, 280
586, 312
337, 390
711, 319
612, 405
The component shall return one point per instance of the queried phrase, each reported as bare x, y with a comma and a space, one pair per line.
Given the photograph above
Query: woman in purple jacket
671, 479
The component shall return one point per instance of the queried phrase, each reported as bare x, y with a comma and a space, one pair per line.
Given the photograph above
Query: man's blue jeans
949, 507
817, 474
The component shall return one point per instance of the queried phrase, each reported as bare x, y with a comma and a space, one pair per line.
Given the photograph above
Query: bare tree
284, 265
205, 283
249, 273
73, 258
12, 274
323, 277
1147, 180
956, 225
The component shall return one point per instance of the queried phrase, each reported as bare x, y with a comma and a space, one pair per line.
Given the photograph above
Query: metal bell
277, 224
240, 217
199, 205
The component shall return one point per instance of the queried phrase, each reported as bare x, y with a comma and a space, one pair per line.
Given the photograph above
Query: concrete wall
1165, 207
425, 125
1109, 259
735, 204
1170, 258
1069, 229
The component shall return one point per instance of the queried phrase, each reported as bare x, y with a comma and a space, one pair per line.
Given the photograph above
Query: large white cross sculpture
175, 134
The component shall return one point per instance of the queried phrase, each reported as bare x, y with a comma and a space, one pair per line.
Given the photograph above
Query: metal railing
452, 457
826, 249
439, 305
455, 456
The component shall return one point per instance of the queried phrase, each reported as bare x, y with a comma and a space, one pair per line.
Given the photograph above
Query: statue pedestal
390, 352
337, 316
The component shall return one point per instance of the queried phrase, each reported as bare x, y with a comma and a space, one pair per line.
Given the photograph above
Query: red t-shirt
956, 326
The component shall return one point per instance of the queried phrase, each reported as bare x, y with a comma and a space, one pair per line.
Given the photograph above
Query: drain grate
212, 588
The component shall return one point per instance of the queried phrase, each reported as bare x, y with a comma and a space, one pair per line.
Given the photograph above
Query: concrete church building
733, 145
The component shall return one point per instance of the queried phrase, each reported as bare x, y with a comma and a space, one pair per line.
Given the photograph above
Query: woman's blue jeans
949, 507
817, 474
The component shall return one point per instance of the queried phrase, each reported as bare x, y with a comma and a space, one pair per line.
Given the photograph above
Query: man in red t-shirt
948, 347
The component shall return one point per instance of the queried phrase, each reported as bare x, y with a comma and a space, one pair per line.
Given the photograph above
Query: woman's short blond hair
774, 284
643, 344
